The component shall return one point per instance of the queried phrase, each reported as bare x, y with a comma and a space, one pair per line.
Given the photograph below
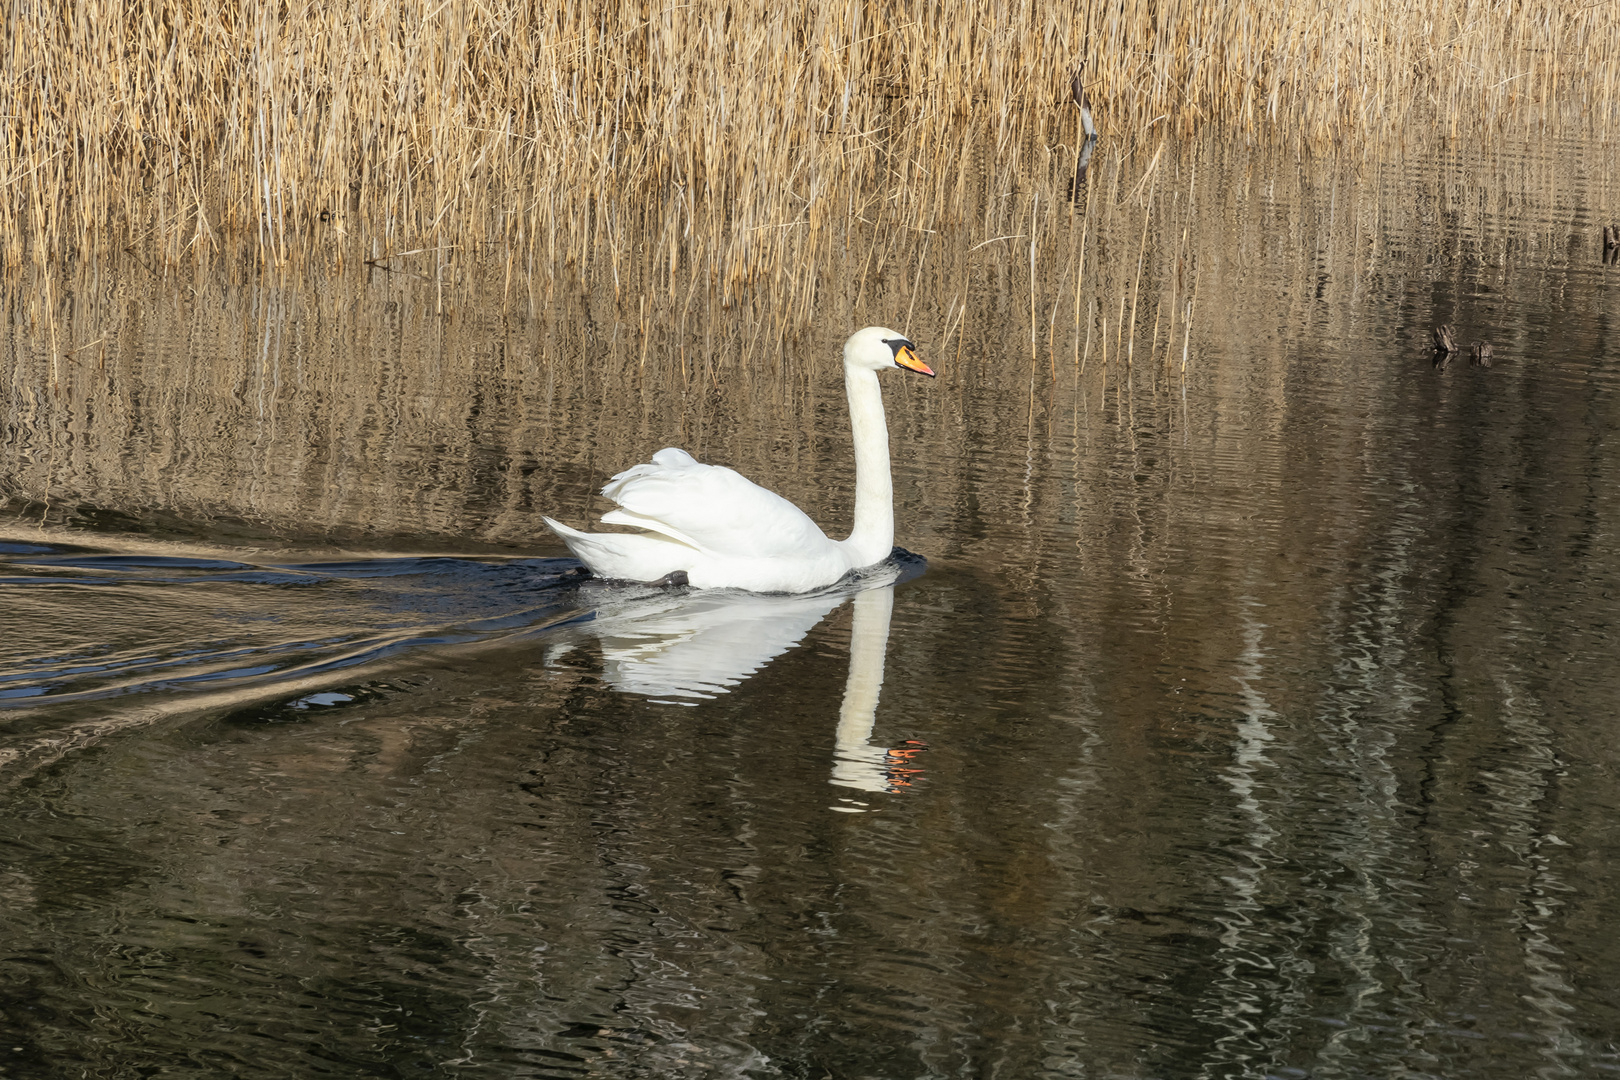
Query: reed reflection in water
1266, 672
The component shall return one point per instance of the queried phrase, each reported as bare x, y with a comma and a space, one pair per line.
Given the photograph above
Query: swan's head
878, 347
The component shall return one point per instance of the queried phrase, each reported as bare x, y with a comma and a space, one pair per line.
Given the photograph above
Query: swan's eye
896, 344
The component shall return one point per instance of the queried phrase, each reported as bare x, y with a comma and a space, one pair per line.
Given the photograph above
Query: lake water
1244, 703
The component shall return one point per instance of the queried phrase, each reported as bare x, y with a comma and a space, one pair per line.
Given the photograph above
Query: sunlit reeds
733, 138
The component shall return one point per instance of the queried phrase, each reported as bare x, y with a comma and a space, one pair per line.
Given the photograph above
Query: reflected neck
873, 536
856, 762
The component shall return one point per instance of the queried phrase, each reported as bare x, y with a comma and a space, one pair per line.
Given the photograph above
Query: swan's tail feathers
625, 556
567, 533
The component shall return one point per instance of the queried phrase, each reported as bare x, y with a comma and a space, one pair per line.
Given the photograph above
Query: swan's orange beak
908, 360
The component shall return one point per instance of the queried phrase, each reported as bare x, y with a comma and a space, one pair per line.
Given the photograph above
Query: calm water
1249, 706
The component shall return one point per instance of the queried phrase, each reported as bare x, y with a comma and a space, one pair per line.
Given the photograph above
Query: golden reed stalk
571, 133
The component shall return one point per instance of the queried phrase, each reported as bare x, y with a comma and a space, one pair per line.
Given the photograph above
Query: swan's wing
710, 507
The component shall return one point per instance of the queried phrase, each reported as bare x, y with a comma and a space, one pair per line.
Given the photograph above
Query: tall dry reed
732, 138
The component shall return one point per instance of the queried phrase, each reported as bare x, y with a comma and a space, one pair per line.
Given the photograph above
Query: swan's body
721, 530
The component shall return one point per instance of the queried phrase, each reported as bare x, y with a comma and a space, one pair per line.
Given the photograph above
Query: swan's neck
873, 537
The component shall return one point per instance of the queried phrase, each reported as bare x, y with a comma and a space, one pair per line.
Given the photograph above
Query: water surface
1247, 708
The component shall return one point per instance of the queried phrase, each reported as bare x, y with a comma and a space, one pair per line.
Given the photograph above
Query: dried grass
737, 139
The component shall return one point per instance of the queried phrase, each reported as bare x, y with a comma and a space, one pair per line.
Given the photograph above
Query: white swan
721, 530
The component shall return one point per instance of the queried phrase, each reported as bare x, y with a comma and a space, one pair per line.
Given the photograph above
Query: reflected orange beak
908, 360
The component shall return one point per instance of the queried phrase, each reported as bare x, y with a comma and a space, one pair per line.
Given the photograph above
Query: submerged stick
1445, 346
1078, 89
1082, 161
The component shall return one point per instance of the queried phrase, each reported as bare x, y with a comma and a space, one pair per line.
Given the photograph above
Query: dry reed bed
739, 138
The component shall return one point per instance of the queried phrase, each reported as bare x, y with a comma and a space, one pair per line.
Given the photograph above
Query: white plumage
721, 530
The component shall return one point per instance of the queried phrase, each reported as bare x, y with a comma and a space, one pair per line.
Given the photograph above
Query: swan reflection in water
679, 647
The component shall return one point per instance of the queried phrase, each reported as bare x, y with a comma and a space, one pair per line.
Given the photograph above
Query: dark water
1256, 717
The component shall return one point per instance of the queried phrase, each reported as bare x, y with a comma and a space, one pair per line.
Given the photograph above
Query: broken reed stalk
1186, 337
737, 133
1033, 324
